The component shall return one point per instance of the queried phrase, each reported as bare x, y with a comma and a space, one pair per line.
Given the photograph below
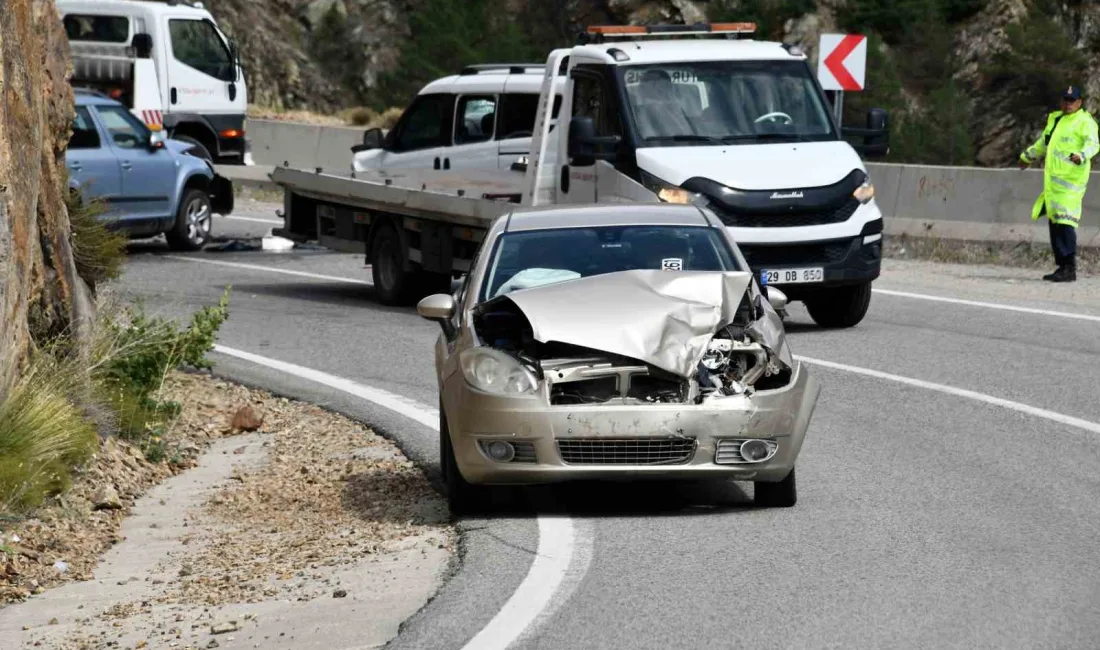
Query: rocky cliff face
40, 291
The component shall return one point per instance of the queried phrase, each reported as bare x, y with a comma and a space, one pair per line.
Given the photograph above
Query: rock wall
40, 291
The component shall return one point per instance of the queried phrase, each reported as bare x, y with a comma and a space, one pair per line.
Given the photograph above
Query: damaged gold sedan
615, 342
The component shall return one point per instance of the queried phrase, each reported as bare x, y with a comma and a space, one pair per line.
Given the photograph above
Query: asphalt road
924, 519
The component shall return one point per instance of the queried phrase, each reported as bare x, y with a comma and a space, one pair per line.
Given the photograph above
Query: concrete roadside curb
255, 177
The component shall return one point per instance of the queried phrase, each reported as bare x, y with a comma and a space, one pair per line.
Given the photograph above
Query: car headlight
864, 193
496, 372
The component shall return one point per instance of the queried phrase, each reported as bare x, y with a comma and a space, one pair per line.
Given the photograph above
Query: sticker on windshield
672, 264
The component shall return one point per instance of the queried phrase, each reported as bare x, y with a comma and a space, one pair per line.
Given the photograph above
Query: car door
148, 175
419, 139
516, 125
475, 146
201, 72
92, 163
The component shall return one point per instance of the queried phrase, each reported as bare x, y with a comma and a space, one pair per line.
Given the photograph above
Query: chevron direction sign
842, 62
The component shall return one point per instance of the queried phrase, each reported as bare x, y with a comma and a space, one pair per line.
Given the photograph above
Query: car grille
626, 451
839, 214
763, 257
525, 452
729, 452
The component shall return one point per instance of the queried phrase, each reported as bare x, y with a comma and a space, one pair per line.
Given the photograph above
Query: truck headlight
864, 193
496, 372
667, 192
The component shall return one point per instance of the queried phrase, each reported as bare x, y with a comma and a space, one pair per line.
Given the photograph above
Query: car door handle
127, 166
173, 98
75, 167
436, 164
446, 163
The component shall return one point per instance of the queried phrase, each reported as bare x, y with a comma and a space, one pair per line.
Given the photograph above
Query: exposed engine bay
737, 358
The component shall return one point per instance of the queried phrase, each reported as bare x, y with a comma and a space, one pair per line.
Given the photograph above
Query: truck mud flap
221, 195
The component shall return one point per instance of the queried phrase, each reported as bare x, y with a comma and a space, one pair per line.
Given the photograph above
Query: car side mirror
777, 298
143, 45
155, 141
372, 139
585, 147
438, 307
875, 136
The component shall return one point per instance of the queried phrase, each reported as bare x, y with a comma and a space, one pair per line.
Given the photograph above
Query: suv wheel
841, 307
193, 222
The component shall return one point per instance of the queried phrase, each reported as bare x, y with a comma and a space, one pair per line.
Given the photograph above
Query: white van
480, 119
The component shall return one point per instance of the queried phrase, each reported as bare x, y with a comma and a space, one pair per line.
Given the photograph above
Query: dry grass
98, 250
359, 116
1015, 254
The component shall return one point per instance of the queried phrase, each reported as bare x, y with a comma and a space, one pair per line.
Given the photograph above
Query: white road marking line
988, 305
559, 543
254, 219
1053, 416
268, 269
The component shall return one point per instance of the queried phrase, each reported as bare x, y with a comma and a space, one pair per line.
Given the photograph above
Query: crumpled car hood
662, 318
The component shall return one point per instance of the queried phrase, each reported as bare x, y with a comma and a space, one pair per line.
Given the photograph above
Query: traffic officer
1067, 146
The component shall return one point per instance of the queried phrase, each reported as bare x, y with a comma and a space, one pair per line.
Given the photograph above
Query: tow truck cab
741, 126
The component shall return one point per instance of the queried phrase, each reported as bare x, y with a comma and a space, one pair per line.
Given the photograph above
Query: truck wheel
463, 498
392, 284
783, 494
193, 220
197, 148
842, 307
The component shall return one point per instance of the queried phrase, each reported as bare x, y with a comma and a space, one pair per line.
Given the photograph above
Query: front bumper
780, 415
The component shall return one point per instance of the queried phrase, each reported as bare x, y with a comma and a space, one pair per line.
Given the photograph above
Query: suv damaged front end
629, 374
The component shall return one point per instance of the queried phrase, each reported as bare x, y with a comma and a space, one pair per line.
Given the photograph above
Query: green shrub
43, 433
360, 116
98, 250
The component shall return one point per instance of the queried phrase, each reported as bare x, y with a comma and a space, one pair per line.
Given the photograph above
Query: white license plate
795, 276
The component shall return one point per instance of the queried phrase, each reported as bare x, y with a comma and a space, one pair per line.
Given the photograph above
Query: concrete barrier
970, 203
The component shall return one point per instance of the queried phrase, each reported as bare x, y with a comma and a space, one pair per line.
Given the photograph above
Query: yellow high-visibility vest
1064, 182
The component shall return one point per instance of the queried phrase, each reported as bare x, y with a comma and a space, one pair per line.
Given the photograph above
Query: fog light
754, 451
500, 451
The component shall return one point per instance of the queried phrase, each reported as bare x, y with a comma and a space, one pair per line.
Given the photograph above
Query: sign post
842, 66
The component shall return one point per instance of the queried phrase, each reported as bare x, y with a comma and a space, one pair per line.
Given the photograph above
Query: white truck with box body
169, 63
681, 114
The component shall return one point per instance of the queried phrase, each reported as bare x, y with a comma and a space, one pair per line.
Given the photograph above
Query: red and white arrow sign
842, 62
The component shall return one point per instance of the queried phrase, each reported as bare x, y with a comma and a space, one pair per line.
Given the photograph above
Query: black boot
1067, 273
1050, 277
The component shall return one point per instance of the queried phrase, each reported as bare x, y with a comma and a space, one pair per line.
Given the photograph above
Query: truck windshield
523, 260
726, 102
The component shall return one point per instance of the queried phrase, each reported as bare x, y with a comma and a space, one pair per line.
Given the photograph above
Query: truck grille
626, 451
769, 256
838, 214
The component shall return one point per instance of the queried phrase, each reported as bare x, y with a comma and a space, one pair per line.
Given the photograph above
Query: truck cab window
101, 29
84, 135
476, 119
422, 126
197, 44
591, 99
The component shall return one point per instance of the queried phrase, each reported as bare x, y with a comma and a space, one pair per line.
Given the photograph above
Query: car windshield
523, 260
726, 102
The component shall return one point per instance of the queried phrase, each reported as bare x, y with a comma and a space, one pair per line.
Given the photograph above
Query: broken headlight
493, 371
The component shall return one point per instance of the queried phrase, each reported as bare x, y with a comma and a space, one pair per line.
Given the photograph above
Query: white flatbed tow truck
680, 114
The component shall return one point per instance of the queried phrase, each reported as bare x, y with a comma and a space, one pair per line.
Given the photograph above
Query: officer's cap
1072, 93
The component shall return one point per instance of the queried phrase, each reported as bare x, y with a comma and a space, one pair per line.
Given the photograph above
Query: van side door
475, 127
517, 123
421, 135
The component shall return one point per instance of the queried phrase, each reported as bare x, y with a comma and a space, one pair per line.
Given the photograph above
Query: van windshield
726, 102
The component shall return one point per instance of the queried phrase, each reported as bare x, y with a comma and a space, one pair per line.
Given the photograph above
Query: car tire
197, 148
841, 307
783, 494
393, 285
194, 221
463, 497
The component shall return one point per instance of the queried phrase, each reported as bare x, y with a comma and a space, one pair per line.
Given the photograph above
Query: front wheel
193, 222
783, 494
463, 497
841, 307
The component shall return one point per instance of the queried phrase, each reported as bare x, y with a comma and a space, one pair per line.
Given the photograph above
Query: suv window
196, 44
103, 29
517, 114
125, 129
85, 135
422, 126
476, 119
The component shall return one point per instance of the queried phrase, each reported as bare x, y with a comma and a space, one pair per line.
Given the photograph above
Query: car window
476, 119
196, 44
125, 129
527, 259
423, 124
85, 135
518, 112
102, 29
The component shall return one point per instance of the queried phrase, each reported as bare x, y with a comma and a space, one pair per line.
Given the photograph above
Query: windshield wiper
687, 138
766, 136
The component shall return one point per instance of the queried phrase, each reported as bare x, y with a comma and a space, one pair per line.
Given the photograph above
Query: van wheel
783, 494
193, 222
841, 307
463, 497
198, 149
392, 283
